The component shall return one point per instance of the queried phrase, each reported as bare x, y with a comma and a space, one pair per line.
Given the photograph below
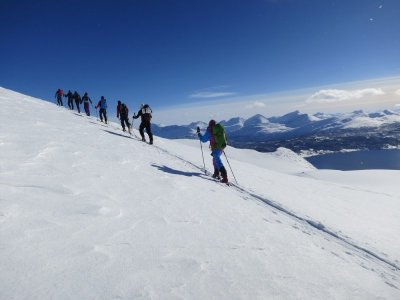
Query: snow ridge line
316, 225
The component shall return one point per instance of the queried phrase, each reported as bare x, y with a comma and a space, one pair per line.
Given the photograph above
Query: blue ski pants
217, 162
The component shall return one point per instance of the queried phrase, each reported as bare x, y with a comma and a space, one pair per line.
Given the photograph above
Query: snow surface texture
87, 212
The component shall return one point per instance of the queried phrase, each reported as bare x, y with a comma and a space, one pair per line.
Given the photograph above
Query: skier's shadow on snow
114, 133
176, 172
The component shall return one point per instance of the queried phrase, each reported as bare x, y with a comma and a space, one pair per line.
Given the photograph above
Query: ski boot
224, 175
216, 174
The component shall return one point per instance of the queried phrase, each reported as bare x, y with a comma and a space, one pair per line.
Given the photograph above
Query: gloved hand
198, 130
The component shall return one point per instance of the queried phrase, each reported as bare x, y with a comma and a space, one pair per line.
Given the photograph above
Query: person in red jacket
59, 95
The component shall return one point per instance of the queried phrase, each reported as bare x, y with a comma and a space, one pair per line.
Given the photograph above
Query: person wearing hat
103, 109
216, 151
59, 95
70, 97
78, 100
123, 115
86, 100
118, 108
145, 114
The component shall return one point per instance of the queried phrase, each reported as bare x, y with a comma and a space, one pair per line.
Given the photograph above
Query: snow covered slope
87, 212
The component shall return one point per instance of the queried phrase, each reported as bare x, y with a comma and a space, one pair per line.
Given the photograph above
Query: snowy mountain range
301, 132
89, 212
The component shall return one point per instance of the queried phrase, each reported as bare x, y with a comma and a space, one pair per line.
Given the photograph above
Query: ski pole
230, 167
201, 147
97, 115
202, 155
91, 104
132, 129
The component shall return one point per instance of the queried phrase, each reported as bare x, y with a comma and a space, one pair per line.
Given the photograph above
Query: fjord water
358, 160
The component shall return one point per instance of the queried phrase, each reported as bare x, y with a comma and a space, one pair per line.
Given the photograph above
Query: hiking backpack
220, 140
124, 110
146, 113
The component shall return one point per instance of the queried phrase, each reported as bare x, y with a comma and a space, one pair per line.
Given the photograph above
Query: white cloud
279, 103
256, 104
334, 95
211, 94
397, 92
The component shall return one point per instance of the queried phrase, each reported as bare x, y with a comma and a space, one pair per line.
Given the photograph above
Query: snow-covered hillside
87, 212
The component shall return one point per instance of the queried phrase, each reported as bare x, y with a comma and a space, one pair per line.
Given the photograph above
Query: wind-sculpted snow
88, 212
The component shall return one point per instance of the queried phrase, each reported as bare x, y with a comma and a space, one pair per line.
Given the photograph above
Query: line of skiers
145, 112
74, 97
215, 133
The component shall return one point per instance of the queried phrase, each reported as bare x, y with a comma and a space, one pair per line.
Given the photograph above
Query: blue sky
187, 54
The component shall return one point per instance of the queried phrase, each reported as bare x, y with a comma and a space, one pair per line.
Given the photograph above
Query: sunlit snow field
87, 212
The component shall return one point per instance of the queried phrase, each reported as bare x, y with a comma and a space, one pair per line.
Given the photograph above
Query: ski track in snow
388, 269
104, 252
346, 242
363, 252
353, 188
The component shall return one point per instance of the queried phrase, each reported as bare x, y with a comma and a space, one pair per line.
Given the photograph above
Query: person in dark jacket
145, 113
119, 108
59, 94
123, 115
216, 151
86, 100
78, 100
70, 98
103, 109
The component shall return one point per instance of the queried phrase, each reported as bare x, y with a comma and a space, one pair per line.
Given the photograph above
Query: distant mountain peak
294, 119
200, 124
358, 112
255, 120
290, 125
389, 112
